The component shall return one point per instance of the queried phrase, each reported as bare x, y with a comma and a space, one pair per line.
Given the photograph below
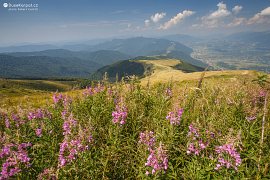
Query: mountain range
67, 63
245, 50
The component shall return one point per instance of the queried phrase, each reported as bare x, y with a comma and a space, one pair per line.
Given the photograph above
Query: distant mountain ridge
40, 63
102, 57
45, 67
141, 46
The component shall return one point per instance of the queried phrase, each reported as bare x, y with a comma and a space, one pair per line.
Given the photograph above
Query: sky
81, 20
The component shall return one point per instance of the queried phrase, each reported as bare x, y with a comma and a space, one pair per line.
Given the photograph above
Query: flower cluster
59, 98
157, 159
39, 114
17, 119
120, 114
3, 116
16, 156
68, 124
7, 123
148, 139
175, 116
227, 157
69, 150
72, 144
196, 145
90, 91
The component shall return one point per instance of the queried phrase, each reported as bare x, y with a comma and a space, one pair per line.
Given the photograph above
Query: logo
20, 7
5, 5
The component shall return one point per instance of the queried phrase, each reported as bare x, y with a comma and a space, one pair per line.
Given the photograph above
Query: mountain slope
44, 67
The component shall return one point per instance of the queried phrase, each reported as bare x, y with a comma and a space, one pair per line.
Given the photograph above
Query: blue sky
72, 20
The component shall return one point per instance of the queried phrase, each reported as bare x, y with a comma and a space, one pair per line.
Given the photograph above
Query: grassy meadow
183, 127
25, 93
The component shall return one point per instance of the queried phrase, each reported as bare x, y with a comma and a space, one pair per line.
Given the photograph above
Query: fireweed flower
196, 147
72, 144
90, 91
7, 123
68, 124
157, 160
120, 114
17, 119
70, 149
175, 117
39, 114
148, 139
59, 98
15, 156
39, 132
196, 144
228, 157
193, 131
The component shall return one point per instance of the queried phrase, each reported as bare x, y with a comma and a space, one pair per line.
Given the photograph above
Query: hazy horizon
74, 21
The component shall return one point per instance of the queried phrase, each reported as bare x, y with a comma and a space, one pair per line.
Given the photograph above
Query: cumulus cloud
215, 18
266, 12
260, 17
237, 9
154, 19
176, 19
157, 17
221, 12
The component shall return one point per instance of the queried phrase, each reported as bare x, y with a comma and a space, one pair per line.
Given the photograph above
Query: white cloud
215, 18
266, 12
221, 12
176, 19
260, 17
147, 22
157, 17
154, 19
237, 9
237, 22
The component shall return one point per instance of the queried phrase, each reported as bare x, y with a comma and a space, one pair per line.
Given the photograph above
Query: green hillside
143, 66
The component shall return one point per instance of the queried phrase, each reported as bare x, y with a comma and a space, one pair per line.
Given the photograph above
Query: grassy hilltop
141, 129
